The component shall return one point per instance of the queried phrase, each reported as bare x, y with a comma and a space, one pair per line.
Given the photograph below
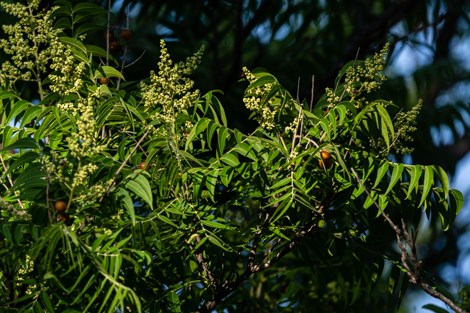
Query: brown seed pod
60, 206
326, 160
325, 154
114, 46
104, 80
126, 34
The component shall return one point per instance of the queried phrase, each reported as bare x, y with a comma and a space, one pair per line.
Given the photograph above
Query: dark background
298, 40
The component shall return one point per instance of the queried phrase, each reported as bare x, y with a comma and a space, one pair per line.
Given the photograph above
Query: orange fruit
325, 154
60, 206
326, 160
104, 80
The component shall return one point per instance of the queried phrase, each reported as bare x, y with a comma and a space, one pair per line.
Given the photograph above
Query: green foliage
169, 209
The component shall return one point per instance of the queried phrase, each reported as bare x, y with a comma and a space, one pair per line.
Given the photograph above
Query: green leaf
266, 79
80, 56
86, 29
25, 158
415, 172
96, 51
280, 183
218, 242
108, 71
386, 124
427, 184
88, 8
23, 143
326, 128
74, 44
174, 302
32, 177
226, 175
370, 199
140, 186
230, 159
211, 181
456, 200
434, 308
165, 219
29, 115
222, 136
246, 150
6, 94
16, 109
444, 180
213, 224
285, 203
383, 202
125, 199
200, 126
396, 176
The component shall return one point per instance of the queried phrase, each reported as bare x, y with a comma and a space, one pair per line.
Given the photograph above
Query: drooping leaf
23, 143
108, 71
415, 172
140, 186
396, 176
427, 183
230, 159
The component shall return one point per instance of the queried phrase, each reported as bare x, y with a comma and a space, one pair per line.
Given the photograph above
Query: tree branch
228, 286
410, 261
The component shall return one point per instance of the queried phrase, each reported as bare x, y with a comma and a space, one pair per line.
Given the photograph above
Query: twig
125, 161
136, 60
108, 31
11, 182
312, 93
410, 262
252, 268
205, 267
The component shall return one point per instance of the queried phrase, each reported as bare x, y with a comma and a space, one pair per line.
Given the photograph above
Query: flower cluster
361, 77
31, 42
83, 142
367, 77
68, 76
255, 99
405, 125
82, 145
292, 126
170, 90
34, 46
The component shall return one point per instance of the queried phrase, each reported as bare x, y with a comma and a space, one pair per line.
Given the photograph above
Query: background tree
142, 197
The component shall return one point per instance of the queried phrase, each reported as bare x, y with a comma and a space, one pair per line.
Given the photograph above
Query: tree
138, 196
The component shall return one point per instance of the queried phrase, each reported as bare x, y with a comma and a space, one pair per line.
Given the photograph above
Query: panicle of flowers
83, 142
367, 76
67, 77
405, 126
255, 100
30, 42
292, 126
331, 97
55, 169
170, 92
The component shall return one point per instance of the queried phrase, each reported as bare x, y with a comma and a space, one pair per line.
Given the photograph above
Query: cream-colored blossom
260, 100
170, 92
